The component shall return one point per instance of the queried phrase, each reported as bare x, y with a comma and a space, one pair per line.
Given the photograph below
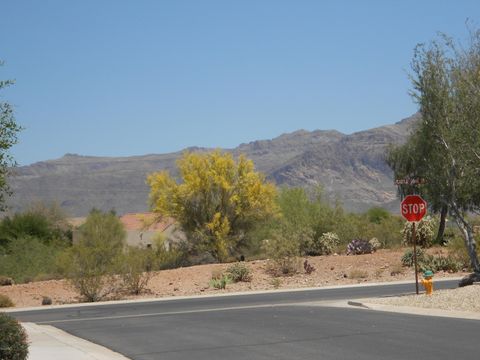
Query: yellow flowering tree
217, 202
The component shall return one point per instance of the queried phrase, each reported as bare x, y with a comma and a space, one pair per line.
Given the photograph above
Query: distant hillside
351, 168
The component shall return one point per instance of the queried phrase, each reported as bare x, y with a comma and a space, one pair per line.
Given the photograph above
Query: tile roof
138, 221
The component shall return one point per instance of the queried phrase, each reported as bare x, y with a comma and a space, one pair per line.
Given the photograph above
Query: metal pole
415, 256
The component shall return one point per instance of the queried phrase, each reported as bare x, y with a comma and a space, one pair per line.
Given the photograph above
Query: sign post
414, 208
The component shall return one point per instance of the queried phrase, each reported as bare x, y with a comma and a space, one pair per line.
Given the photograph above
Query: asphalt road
287, 325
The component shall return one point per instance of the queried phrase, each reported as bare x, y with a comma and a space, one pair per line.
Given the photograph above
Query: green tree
218, 202
92, 262
445, 146
8, 137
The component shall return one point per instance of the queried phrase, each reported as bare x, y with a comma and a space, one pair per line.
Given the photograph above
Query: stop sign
413, 208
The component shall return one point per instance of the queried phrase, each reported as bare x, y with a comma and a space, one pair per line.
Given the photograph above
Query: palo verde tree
445, 146
8, 137
218, 201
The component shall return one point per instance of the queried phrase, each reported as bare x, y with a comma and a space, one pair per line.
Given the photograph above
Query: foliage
456, 247
218, 202
377, 215
239, 272
45, 223
358, 274
6, 281
445, 146
424, 231
13, 339
407, 257
135, 266
91, 263
5, 301
46, 300
8, 137
176, 256
27, 258
324, 245
283, 254
308, 268
220, 283
375, 243
359, 246
440, 263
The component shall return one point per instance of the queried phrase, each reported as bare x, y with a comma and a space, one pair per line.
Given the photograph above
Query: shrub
375, 244
309, 268
358, 274
13, 339
92, 263
27, 257
407, 258
359, 246
284, 255
276, 283
456, 247
134, 269
324, 245
424, 230
46, 300
239, 272
440, 263
220, 283
6, 281
5, 302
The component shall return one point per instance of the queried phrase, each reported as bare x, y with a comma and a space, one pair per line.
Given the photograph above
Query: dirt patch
381, 266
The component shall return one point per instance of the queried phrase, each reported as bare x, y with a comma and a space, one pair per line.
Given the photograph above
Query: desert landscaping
381, 266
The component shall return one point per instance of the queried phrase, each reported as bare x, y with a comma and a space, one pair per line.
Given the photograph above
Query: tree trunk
441, 226
467, 232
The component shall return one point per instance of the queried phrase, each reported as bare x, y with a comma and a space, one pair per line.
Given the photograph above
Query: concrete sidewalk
47, 342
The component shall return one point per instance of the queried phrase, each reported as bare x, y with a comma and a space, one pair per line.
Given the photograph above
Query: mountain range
350, 168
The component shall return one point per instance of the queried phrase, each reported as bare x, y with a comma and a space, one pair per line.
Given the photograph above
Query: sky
135, 77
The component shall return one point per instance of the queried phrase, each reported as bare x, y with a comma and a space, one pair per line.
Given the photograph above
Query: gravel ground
460, 299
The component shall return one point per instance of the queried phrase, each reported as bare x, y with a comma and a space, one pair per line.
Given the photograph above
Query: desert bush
440, 263
5, 301
283, 254
424, 230
276, 283
374, 243
6, 281
91, 264
308, 268
135, 266
26, 257
174, 257
359, 246
358, 274
377, 215
396, 270
324, 245
46, 300
220, 283
407, 257
456, 247
239, 272
45, 223
13, 339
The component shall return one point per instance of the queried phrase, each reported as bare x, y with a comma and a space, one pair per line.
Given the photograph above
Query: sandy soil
381, 266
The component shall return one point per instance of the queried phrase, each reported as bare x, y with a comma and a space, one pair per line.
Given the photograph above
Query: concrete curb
47, 342
243, 293
368, 305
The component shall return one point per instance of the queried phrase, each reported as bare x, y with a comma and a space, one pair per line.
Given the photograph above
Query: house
142, 229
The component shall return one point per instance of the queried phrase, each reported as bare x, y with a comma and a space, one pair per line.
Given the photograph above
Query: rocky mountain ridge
351, 168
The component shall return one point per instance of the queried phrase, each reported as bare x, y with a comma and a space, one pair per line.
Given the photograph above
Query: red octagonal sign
413, 208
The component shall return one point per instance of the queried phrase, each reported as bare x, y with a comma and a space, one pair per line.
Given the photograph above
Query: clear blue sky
115, 78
